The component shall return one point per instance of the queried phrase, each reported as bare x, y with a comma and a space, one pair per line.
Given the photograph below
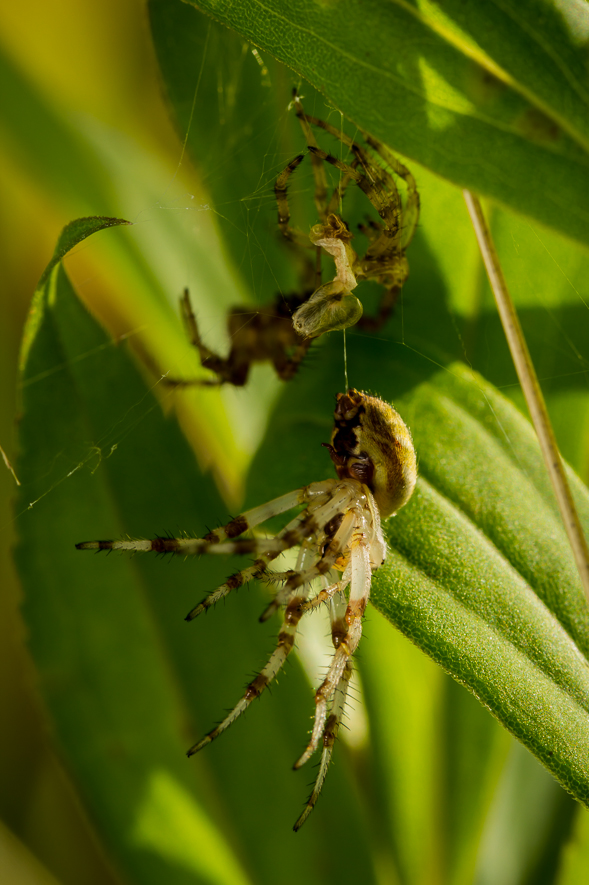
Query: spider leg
339, 192
293, 613
313, 493
362, 157
371, 182
329, 737
327, 594
327, 560
341, 136
411, 214
316, 162
386, 306
228, 370
291, 535
346, 633
209, 359
286, 639
291, 233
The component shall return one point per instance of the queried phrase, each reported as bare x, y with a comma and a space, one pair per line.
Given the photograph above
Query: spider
340, 543
333, 306
268, 333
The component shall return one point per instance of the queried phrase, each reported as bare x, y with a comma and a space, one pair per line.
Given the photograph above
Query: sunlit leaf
493, 97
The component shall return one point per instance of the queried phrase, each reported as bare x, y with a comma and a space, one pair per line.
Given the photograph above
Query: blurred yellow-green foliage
93, 61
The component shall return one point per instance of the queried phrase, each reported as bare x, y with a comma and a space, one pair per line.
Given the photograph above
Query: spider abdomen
372, 443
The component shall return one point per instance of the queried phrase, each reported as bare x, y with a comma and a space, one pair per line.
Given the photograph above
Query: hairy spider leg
411, 216
256, 335
330, 732
285, 644
208, 358
335, 203
258, 571
373, 186
412, 207
323, 516
304, 525
249, 519
280, 190
316, 163
346, 633
292, 534
225, 540
374, 262
327, 594
329, 738
223, 367
235, 527
286, 636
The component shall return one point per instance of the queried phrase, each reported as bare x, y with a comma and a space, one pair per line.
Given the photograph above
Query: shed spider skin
340, 543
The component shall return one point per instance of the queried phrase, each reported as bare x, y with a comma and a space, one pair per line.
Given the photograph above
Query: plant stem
531, 389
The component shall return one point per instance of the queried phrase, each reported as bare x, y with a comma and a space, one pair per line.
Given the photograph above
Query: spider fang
340, 543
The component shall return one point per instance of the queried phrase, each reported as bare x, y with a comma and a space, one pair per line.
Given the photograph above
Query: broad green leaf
493, 97
480, 575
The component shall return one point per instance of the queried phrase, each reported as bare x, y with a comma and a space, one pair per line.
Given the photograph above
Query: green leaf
480, 574
493, 97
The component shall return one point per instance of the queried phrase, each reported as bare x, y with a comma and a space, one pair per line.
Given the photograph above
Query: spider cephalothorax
340, 543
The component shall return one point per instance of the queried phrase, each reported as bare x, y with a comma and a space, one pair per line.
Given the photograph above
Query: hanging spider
340, 543
282, 331
333, 305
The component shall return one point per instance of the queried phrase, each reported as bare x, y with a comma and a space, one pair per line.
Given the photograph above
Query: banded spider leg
338, 533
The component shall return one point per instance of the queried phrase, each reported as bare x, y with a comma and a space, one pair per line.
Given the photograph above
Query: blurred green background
86, 131
81, 60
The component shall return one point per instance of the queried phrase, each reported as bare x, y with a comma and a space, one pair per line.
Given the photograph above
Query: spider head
372, 444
